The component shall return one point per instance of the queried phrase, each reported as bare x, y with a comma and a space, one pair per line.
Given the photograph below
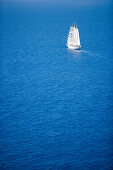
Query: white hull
74, 47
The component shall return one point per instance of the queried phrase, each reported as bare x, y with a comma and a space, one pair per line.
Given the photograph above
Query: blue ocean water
56, 105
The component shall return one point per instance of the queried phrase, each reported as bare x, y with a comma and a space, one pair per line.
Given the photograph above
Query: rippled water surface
56, 105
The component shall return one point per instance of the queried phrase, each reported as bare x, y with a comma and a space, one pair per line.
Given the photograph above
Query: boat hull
74, 47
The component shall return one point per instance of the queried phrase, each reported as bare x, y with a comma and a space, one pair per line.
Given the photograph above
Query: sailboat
73, 41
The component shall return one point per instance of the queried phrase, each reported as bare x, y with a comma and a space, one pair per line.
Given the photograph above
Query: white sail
73, 38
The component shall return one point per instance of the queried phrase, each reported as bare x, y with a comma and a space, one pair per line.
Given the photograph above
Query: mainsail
73, 38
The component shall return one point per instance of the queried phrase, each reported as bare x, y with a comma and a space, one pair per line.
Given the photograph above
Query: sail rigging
73, 40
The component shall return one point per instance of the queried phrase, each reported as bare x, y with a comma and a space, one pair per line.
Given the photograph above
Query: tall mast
74, 24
